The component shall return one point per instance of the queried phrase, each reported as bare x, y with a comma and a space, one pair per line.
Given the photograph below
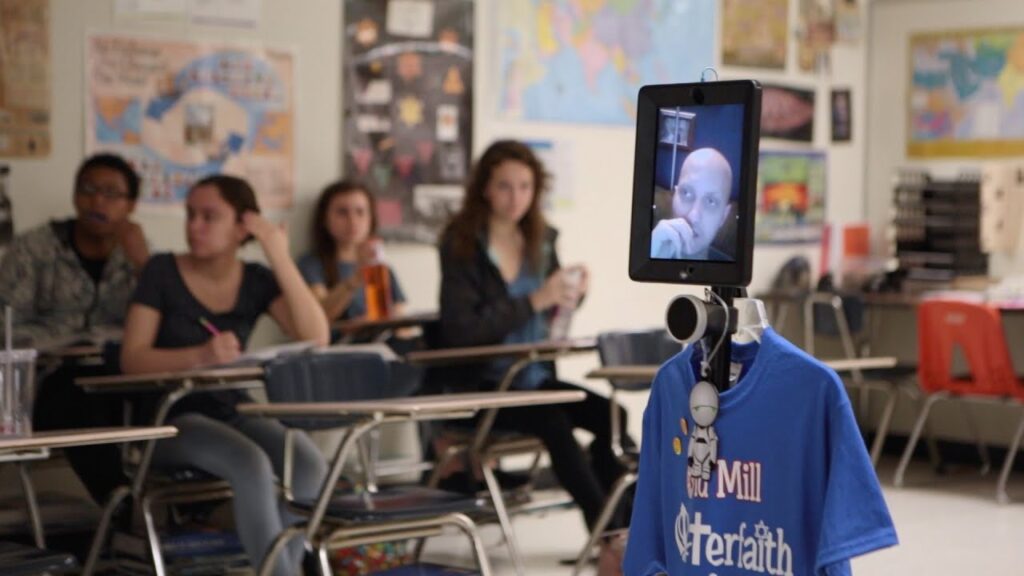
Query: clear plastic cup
17, 391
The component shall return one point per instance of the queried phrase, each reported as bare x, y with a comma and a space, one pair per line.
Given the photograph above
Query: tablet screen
696, 183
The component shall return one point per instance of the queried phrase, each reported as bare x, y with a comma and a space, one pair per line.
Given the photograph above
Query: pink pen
209, 326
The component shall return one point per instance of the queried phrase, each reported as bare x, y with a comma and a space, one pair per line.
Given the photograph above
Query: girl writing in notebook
500, 281
198, 309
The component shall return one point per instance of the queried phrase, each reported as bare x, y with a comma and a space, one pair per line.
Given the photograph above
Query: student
344, 224
700, 205
198, 309
67, 276
63, 279
500, 276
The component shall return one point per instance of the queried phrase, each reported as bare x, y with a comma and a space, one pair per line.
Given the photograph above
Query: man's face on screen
702, 197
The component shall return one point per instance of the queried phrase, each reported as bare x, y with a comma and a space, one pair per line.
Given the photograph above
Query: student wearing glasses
197, 309
66, 277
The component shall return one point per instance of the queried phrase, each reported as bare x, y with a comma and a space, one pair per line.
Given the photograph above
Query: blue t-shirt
313, 272
792, 491
535, 330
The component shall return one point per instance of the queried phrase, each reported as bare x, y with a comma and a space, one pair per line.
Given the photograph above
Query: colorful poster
966, 94
754, 33
180, 111
816, 32
408, 83
585, 60
24, 78
787, 113
790, 197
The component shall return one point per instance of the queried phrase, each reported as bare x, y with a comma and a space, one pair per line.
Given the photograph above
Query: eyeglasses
109, 193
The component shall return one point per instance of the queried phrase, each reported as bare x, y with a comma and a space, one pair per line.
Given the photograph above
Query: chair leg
154, 537
116, 497
468, 527
915, 435
882, 431
1001, 496
503, 519
620, 487
282, 540
33, 506
366, 463
972, 427
934, 454
325, 560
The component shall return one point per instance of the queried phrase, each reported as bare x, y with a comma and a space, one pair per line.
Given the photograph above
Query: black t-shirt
92, 266
162, 288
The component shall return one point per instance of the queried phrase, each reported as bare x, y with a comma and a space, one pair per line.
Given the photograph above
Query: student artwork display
754, 33
787, 113
408, 82
25, 78
791, 190
179, 111
964, 97
584, 60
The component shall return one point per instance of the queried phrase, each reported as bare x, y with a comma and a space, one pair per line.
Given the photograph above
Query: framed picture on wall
787, 113
842, 119
677, 128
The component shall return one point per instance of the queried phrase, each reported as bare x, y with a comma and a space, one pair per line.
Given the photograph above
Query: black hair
112, 162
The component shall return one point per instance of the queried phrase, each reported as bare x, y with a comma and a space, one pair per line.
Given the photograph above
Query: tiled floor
948, 525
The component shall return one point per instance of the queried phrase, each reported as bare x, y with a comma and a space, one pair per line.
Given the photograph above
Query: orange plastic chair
943, 327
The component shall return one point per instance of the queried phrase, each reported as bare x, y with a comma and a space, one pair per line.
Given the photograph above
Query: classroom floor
947, 525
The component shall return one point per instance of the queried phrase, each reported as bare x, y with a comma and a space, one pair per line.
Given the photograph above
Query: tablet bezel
642, 267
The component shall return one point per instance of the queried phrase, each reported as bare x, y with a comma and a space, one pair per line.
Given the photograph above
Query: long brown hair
324, 244
464, 229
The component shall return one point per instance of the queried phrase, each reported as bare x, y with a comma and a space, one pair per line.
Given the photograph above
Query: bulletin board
408, 80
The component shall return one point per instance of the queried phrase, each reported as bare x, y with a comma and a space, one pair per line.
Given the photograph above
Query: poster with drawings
407, 89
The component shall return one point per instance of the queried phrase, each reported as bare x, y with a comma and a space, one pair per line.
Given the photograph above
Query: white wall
892, 24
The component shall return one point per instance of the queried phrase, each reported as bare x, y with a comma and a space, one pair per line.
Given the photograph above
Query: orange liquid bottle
377, 287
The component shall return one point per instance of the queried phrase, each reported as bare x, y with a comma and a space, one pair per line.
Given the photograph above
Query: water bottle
377, 284
563, 314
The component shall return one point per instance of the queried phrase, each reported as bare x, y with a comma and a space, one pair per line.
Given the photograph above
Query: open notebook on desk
379, 348
268, 353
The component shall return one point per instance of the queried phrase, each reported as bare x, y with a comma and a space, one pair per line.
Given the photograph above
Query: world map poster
966, 94
585, 60
179, 111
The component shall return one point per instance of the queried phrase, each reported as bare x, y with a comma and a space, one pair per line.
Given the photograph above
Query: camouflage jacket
53, 297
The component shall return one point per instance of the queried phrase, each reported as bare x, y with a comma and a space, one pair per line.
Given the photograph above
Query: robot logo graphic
702, 449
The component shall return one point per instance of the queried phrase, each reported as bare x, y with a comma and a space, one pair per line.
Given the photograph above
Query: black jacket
476, 309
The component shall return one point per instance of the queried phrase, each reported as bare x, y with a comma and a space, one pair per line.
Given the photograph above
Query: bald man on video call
700, 205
